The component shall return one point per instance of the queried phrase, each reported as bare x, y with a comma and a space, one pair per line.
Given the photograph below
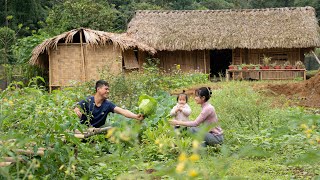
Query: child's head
204, 92
182, 98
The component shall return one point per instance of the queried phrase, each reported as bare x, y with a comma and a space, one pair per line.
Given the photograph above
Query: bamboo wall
255, 56
188, 60
107, 58
71, 62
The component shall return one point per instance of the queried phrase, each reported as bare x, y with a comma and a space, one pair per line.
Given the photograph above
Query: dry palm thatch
227, 29
91, 38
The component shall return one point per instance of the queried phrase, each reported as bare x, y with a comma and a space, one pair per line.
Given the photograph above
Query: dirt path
306, 93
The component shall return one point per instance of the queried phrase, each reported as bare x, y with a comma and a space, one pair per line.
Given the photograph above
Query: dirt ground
306, 93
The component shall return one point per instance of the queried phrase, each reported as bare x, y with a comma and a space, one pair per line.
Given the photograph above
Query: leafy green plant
147, 105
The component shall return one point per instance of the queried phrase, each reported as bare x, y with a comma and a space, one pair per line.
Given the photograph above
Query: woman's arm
202, 116
128, 113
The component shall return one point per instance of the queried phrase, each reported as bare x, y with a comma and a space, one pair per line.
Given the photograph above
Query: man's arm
77, 111
128, 113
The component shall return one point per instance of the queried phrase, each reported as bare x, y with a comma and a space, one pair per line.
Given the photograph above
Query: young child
182, 110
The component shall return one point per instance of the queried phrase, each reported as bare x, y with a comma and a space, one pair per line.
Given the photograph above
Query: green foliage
22, 50
7, 39
27, 13
73, 14
284, 140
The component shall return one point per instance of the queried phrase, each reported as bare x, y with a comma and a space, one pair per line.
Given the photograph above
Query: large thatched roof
90, 37
226, 29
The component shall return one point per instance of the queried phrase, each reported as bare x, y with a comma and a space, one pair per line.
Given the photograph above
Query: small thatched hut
79, 54
210, 40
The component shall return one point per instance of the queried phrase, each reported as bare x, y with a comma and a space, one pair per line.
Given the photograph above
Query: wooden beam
91, 132
50, 71
205, 63
316, 57
83, 59
3, 164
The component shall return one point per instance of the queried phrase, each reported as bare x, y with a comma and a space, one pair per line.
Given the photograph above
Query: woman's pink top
208, 115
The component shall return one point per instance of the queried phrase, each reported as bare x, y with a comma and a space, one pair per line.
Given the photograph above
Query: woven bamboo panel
100, 59
280, 56
65, 64
188, 60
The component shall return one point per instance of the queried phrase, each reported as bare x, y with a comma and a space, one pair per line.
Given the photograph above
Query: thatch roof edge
92, 38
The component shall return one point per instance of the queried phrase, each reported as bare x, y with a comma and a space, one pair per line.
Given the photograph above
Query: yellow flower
308, 131
112, 139
182, 157
193, 173
157, 141
195, 144
124, 137
178, 66
311, 142
110, 132
303, 126
194, 157
180, 167
30, 176
308, 135
10, 103
313, 127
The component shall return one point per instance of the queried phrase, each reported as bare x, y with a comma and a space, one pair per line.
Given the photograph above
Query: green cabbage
147, 105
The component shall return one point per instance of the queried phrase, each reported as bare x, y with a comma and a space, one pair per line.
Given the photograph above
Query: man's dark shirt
93, 115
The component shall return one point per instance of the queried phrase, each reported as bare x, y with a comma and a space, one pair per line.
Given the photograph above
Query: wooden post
50, 71
205, 63
227, 75
83, 59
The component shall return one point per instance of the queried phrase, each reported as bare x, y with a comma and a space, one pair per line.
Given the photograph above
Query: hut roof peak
91, 38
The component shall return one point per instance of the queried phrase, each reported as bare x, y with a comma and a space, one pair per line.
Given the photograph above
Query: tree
7, 39
216, 4
25, 12
71, 14
22, 50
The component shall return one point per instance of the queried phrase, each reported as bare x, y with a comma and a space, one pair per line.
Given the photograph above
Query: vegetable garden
266, 137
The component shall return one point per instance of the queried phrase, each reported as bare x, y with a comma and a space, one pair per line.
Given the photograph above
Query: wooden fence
266, 74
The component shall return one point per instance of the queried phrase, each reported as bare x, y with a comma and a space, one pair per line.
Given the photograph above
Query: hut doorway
219, 62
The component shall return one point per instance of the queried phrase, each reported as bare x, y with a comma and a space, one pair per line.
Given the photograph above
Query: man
96, 108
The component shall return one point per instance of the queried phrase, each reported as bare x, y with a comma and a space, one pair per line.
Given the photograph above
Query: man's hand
78, 112
140, 117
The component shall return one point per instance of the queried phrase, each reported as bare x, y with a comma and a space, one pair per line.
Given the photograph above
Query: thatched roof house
77, 55
247, 33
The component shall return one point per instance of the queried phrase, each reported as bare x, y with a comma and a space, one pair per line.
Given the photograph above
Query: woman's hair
204, 91
183, 94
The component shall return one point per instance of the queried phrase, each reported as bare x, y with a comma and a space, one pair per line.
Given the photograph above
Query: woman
207, 116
